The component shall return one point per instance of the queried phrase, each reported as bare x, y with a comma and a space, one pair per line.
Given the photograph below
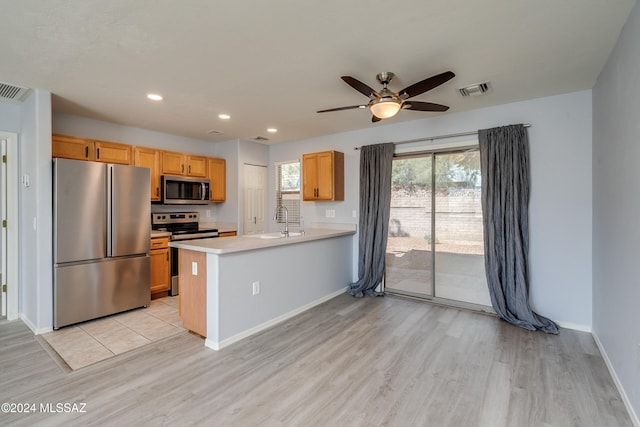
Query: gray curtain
375, 205
504, 163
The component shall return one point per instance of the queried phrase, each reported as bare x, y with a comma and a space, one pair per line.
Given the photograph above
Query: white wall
560, 208
9, 117
36, 259
616, 210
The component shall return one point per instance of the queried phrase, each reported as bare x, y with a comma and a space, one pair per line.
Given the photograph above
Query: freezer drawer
91, 290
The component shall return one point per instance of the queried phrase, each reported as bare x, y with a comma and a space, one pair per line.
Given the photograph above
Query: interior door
3, 234
255, 199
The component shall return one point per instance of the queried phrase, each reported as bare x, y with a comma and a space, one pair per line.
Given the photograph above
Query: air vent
260, 138
215, 132
476, 89
12, 93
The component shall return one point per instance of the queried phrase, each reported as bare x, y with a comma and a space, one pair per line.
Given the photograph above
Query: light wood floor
370, 361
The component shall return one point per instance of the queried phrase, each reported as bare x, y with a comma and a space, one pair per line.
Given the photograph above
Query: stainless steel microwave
182, 190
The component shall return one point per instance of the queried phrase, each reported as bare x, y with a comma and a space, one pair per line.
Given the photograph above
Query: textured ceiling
274, 63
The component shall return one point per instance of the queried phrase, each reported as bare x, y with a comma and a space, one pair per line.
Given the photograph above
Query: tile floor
90, 342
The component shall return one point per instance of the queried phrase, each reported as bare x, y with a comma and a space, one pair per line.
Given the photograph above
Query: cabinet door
112, 152
160, 270
69, 147
217, 176
149, 158
324, 186
309, 176
193, 291
173, 163
197, 166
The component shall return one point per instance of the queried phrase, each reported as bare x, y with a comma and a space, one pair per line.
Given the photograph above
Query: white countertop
155, 234
250, 243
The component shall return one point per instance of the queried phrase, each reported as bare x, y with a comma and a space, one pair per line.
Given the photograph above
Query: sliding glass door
435, 248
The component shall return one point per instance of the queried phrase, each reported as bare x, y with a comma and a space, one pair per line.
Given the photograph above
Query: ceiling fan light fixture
385, 108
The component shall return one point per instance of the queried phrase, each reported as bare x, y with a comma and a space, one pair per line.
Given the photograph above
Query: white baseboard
627, 403
33, 327
269, 323
574, 326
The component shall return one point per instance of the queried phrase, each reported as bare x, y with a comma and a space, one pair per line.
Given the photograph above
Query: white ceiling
274, 63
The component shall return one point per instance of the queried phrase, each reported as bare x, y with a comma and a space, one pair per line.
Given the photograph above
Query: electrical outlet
194, 268
327, 213
354, 214
208, 213
256, 288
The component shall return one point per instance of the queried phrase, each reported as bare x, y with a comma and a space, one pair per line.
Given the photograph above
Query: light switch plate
194, 268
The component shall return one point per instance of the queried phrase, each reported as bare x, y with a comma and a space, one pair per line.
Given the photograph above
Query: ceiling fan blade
375, 119
425, 85
360, 87
351, 107
423, 106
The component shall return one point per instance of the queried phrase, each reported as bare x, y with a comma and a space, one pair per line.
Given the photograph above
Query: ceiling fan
386, 104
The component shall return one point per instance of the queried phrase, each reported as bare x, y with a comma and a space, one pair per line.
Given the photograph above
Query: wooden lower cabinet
227, 234
160, 267
193, 291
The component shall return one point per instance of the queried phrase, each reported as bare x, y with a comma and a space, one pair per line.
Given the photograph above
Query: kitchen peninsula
234, 287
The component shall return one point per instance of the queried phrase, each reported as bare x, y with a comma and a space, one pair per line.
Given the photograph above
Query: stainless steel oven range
182, 226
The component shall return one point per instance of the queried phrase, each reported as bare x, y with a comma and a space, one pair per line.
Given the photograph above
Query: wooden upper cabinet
323, 176
196, 166
218, 179
149, 158
70, 147
112, 152
183, 164
173, 163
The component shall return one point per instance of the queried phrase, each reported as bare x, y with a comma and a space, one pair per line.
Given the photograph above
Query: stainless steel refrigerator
101, 237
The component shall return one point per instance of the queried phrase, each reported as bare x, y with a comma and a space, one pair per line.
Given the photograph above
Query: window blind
288, 191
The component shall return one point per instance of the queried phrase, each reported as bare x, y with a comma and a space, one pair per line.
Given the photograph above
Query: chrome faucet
284, 232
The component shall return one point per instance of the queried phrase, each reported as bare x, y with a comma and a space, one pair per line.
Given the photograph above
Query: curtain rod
433, 138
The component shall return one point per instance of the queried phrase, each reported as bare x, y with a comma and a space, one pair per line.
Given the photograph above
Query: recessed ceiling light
224, 116
154, 97
272, 130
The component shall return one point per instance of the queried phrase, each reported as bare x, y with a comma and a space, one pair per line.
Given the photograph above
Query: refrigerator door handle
109, 210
